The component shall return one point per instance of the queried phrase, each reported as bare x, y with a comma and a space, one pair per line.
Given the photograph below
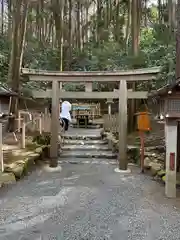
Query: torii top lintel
144, 74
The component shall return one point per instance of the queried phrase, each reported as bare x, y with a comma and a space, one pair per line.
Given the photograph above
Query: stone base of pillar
117, 170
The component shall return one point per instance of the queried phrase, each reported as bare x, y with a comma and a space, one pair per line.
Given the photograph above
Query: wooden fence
111, 122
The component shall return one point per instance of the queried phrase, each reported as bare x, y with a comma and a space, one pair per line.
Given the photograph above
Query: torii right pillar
123, 160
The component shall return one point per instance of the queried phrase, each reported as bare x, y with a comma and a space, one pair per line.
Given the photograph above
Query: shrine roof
164, 90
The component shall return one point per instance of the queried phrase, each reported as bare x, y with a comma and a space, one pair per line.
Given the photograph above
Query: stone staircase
86, 148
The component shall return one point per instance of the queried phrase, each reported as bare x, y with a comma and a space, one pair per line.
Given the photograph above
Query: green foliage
159, 52
157, 48
42, 139
39, 57
4, 58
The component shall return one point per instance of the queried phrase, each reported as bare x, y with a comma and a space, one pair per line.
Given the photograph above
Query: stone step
88, 161
88, 126
86, 142
82, 137
85, 147
88, 154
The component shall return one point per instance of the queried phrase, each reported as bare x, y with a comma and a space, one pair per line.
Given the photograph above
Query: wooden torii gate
88, 78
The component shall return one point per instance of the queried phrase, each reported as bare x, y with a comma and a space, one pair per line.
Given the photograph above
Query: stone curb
81, 137
89, 154
20, 168
88, 127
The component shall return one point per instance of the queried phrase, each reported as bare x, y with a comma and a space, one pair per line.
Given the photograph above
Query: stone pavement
86, 202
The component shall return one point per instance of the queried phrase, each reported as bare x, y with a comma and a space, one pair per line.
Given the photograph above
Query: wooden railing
26, 121
111, 123
34, 121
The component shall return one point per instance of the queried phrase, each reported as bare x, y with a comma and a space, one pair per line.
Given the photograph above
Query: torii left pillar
54, 124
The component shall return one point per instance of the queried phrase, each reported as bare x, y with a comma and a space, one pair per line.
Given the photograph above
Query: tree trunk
128, 25
58, 12
78, 26
9, 20
178, 42
172, 14
19, 30
136, 5
2, 17
135, 28
69, 35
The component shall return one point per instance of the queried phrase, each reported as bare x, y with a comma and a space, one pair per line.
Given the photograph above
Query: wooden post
10, 102
54, 124
109, 108
93, 113
60, 88
40, 124
73, 114
123, 125
86, 121
46, 111
19, 121
42, 119
142, 150
23, 135
33, 124
1, 149
46, 119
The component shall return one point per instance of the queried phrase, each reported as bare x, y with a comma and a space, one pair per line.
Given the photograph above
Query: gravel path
87, 202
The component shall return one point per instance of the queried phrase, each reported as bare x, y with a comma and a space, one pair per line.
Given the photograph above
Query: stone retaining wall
154, 155
19, 168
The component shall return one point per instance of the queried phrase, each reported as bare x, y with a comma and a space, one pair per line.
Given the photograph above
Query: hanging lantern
143, 121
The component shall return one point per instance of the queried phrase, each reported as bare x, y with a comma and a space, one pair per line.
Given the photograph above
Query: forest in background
87, 35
